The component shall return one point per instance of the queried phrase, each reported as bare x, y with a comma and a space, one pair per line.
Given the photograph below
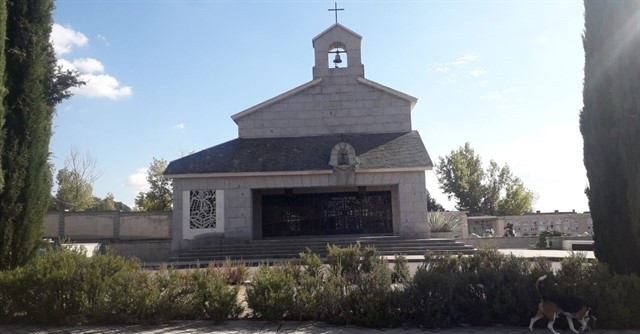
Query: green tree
75, 182
3, 90
106, 204
610, 126
74, 193
160, 194
517, 198
432, 204
34, 84
494, 191
460, 175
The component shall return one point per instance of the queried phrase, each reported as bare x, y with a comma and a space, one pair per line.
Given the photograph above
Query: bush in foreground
356, 287
65, 287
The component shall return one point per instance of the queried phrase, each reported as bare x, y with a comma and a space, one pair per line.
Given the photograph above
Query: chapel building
334, 156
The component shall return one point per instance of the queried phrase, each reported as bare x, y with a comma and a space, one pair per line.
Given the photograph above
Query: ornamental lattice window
202, 209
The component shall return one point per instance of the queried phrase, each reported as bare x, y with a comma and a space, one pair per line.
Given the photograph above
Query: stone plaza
288, 327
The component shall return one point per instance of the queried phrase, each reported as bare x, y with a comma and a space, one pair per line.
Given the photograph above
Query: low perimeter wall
147, 235
108, 225
144, 235
518, 242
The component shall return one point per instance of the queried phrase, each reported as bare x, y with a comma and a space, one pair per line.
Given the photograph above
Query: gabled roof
412, 100
276, 99
294, 154
333, 27
389, 90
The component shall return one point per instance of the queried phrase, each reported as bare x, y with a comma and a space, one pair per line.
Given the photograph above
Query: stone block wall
338, 104
145, 251
110, 225
408, 195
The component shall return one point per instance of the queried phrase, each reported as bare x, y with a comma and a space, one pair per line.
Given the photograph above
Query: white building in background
531, 225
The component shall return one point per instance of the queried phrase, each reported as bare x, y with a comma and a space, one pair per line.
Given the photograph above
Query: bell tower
337, 53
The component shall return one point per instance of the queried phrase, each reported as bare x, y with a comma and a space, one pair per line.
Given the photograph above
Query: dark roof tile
383, 150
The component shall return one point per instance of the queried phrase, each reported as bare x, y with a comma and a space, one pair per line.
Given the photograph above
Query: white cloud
437, 67
179, 126
102, 85
66, 65
65, 39
97, 83
463, 60
458, 62
477, 72
88, 65
138, 180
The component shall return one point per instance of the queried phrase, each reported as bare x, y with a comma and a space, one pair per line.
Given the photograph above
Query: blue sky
165, 77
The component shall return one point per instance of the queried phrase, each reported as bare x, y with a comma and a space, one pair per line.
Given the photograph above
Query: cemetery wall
144, 235
518, 242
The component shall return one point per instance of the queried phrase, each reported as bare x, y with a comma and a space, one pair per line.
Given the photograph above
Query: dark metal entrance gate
326, 213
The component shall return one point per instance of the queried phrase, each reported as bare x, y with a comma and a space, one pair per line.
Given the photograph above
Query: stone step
388, 240
289, 249
267, 256
323, 249
302, 246
324, 239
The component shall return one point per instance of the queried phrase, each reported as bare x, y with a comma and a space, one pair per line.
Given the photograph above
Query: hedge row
356, 287
66, 287
359, 288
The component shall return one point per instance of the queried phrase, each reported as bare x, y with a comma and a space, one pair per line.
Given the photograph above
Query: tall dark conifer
3, 26
29, 72
610, 126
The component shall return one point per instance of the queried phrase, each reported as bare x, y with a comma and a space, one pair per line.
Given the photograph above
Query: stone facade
241, 219
338, 133
337, 104
337, 100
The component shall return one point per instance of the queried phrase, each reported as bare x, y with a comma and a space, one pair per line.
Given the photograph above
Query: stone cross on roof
335, 10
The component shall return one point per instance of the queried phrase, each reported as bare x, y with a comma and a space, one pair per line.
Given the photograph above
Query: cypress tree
610, 126
3, 25
34, 86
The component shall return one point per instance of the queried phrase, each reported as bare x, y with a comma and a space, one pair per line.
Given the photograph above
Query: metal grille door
326, 213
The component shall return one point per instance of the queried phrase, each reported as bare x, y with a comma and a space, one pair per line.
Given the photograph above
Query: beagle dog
551, 306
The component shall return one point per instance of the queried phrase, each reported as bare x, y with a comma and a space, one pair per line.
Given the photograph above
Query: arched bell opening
337, 56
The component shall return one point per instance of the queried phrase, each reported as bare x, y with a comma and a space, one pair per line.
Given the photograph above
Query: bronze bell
337, 59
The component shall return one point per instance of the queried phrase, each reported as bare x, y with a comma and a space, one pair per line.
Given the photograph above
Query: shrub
212, 294
482, 289
309, 286
50, 289
8, 285
443, 221
233, 272
542, 238
616, 301
271, 293
372, 302
118, 291
400, 272
65, 287
428, 297
124, 298
344, 261
358, 288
